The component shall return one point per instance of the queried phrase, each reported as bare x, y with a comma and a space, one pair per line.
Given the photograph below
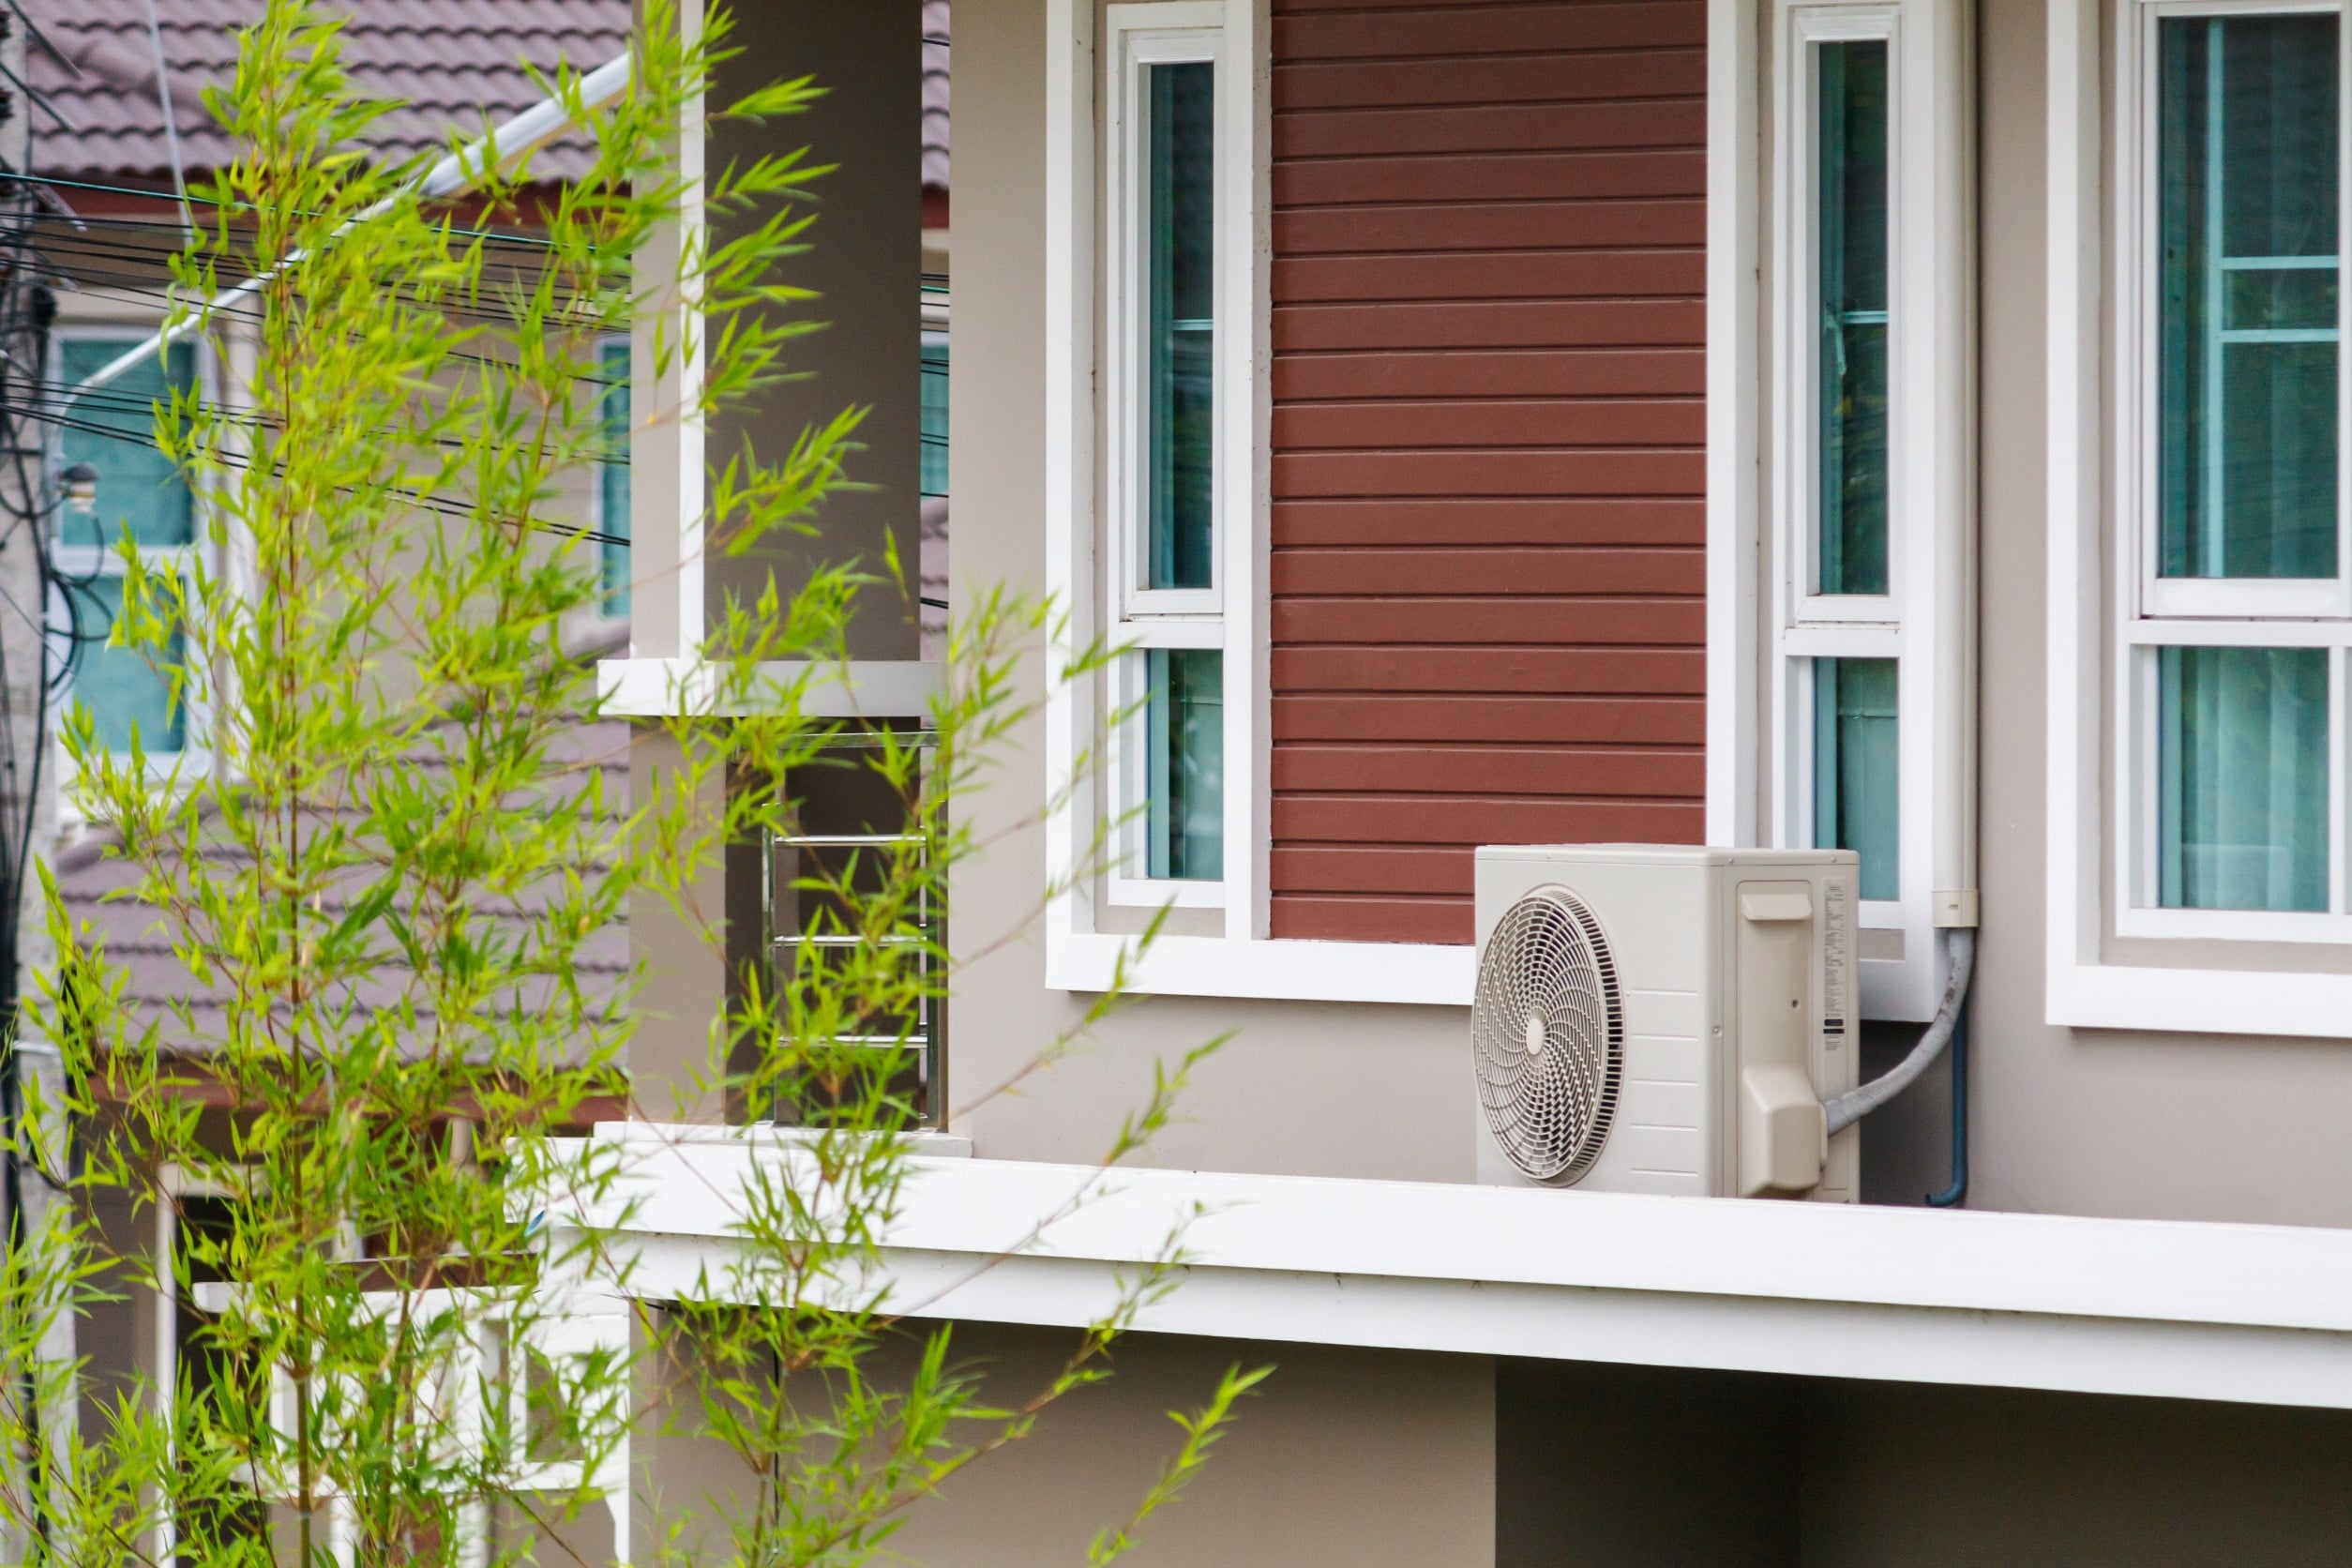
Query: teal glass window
141, 494
934, 412
2248, 316
1184, 723
1851, 198
612, 478
126, 689
2242, 779
1856, 805
1180, 278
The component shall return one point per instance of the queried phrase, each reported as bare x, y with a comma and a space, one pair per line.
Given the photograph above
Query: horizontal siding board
1604, 671
1614, 771
1488, 570
1485, 275
1490, 323
1480, 127
1312, 917
1517, 422
1513, 620
1440, 870
1471, 821
1595, 225
1487, 178
1520, 29
1616, 74
1500, 570
1517, 472
1540, 521
1492, 721
1675, 372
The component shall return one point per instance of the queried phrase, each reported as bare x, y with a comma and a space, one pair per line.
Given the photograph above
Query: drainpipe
1954, 1195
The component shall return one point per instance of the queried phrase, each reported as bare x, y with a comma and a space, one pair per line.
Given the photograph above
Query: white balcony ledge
2240, 1313
862, 688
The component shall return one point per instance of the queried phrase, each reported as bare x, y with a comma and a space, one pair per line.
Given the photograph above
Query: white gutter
2240, 1313
501, 147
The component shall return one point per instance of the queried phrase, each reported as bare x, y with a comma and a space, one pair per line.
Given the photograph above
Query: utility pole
31, 1079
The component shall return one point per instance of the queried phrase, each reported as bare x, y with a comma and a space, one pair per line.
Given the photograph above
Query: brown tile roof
451, 61
137, 939
935, 95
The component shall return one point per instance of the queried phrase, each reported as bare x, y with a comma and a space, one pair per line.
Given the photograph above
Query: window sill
1412, 973
2200, 1001
863, 688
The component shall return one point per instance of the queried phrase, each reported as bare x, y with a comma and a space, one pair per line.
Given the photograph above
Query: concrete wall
865, 263
1344, 1457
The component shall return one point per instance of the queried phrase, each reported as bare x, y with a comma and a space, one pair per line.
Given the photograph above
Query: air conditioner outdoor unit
1662, 1020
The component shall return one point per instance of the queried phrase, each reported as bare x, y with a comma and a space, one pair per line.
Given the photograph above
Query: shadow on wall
1650, 1468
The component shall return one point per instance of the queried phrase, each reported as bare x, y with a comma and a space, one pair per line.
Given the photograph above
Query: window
140, 497
1869, 434
613, 478
1167, 512
934, 388
2231, 655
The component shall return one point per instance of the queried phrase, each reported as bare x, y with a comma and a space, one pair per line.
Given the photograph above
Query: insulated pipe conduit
1960, 963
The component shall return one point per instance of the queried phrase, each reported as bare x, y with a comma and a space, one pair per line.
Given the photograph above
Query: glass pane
2242, 785
1183, 720
1182, 251
612, 478
935, 414
1853, 365
2248, 314
125, 688
112, 430
1855, 805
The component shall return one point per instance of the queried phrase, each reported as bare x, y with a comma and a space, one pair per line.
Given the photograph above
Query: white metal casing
1677, 920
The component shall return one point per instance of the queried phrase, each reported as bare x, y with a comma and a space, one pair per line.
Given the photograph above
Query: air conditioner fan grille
1549, 1031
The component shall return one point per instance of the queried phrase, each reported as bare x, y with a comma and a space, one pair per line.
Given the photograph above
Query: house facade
1909, 428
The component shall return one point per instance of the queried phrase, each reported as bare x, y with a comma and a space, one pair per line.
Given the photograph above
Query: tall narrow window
1180, 325
1851, 201
1172, 778
612, 478
2248, 312
934, 398
141, 498
1856, 805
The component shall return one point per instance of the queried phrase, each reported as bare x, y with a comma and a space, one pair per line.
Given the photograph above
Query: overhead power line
500, 148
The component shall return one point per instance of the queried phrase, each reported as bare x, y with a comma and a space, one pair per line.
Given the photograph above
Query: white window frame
1086, 568
195, 754
1922, 622
2101, 622
1137, 36
2208, 613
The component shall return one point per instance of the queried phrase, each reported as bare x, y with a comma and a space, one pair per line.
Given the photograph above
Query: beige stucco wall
1344, 1457
2085, 1121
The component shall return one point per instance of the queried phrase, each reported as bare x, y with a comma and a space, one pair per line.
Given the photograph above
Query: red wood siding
1488, 519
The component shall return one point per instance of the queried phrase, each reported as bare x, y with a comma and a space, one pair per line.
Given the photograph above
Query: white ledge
862, 688
2250, 1314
